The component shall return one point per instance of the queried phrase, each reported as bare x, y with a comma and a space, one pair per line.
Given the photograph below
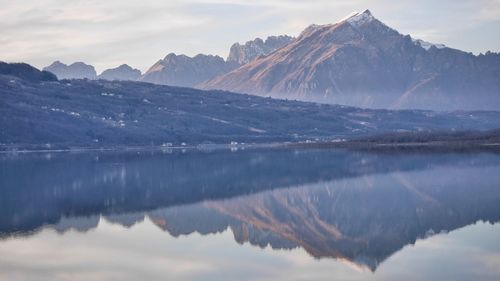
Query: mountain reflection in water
354, 206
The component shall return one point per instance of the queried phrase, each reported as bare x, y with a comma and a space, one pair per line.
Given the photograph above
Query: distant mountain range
177, 70
77, 70
362, 62
181, 70
123, 73
80, 70
358, 61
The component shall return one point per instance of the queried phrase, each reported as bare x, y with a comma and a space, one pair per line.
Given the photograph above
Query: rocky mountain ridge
178, 70
184, 71
123, 73
77, 70
360, 61
243, 54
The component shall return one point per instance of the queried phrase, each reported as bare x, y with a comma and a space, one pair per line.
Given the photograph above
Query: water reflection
351, 206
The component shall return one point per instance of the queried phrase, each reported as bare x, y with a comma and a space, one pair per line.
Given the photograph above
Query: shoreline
348, 144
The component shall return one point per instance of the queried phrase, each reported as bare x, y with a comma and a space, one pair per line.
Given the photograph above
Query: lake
255, 214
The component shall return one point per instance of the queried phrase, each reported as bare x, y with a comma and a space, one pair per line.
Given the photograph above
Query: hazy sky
111, 32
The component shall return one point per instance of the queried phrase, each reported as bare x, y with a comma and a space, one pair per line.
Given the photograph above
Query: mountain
123, 73
80, 70
362, 62
77, 70
26, 72
100, 113
243, 54
181, 70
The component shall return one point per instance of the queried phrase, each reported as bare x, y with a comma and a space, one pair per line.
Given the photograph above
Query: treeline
26, 72
492, 136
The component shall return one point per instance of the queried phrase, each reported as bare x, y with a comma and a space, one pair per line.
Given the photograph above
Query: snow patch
358, 19
427, 45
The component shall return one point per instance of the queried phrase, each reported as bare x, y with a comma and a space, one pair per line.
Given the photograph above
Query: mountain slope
181, 70
109, 113
362, 62
26, 72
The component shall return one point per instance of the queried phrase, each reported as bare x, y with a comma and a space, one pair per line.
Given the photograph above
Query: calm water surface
250, 215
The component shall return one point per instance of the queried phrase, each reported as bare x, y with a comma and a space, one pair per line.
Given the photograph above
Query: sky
109, 33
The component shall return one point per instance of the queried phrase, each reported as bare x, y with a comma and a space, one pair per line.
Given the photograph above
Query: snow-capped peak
427, 45
358, 19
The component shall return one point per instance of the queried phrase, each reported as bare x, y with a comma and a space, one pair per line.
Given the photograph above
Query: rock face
77, 70
121, 73
362, 62
181, 70
26, 72
246, 53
